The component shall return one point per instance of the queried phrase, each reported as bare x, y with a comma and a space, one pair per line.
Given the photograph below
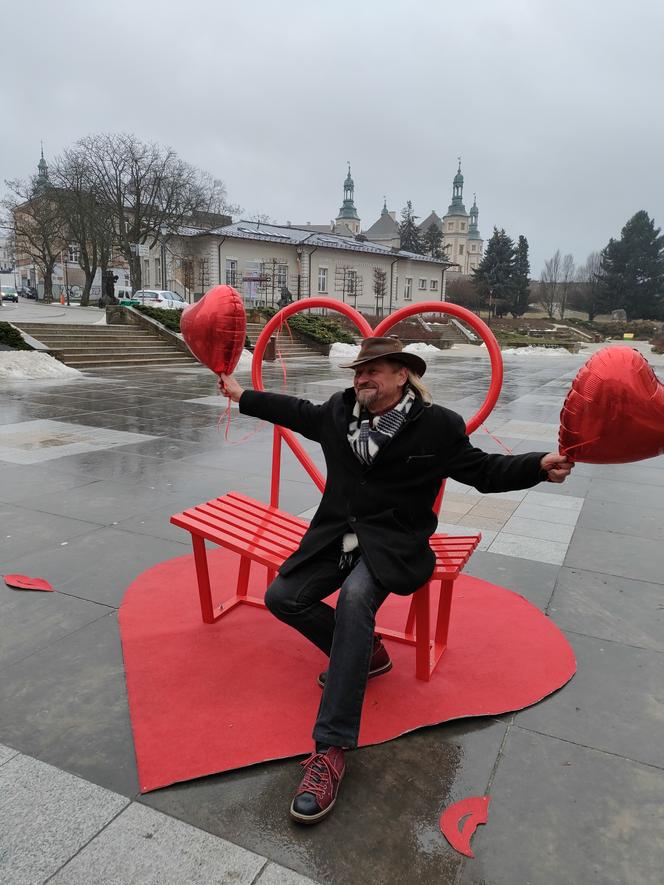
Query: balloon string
495, 439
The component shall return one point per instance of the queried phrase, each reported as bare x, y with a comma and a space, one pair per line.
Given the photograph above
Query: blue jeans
345, 634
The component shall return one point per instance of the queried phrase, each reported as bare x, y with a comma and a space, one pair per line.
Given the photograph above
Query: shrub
12, 337
168, 318
315, 328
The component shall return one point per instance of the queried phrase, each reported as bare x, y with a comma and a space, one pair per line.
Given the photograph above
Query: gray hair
419, 387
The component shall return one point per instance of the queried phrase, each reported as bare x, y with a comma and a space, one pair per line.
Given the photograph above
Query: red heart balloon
215, 328
614, 412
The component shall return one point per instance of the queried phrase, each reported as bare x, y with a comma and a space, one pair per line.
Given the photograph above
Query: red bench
266, 535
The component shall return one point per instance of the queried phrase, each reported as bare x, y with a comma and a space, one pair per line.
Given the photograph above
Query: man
387, 448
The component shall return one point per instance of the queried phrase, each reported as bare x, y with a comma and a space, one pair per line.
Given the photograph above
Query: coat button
353, 519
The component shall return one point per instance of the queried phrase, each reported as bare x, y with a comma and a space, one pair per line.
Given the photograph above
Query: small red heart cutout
614, 412
215, 328
24, 582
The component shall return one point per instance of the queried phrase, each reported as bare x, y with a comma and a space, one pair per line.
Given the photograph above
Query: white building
260, 260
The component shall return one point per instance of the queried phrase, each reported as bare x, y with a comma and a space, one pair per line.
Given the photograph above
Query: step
134, 361
67, 356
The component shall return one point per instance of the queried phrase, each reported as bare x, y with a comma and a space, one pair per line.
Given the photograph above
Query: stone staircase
106, 347
291, 349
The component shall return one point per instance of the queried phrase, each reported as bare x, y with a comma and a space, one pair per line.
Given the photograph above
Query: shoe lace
318, 772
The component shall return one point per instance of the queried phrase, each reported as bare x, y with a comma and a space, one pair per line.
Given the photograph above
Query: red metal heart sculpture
614, 412
381, 329
215, 328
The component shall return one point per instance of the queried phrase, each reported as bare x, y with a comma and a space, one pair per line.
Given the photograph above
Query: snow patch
532, 350
245, 360
423, 349
343, 353
21, 365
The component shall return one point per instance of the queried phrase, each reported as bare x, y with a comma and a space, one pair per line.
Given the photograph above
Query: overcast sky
555, 107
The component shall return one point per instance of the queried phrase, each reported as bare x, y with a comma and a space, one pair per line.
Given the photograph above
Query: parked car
160, 298
9, 293
28, 292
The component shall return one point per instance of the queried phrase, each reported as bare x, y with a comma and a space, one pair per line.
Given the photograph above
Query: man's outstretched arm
288, 411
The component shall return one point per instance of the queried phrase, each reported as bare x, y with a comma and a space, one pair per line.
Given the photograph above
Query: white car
160, 298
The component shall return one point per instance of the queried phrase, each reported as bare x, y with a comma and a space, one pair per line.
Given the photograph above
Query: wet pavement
91, 470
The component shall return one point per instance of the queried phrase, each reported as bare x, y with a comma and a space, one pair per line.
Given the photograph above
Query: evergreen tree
494, 275
632, 270
409, 233
432, 241
521, 291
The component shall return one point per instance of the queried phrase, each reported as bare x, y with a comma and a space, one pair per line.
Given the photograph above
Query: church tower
475, 244
42, 171
348, 213
456, 227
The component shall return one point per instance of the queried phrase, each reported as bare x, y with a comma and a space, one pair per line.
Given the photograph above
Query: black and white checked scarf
365, 439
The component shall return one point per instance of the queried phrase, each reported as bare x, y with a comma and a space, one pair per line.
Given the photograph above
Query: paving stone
552, 552
607, 607
639, 494
276, 875
33, 620
556, 515
598, 820
66, 705
6, 753
627, 556
614, 702
534, 580
144, 847
46, 816
546, 499
23, 530
537, 528
628, 519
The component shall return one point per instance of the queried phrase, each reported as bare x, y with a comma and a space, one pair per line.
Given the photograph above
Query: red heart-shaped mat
614, 412
206, 698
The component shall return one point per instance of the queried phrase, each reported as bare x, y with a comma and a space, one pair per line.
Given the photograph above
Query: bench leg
243, 576
422, 633
203, 576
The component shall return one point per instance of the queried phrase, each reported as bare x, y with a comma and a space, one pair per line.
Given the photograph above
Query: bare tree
379, 288
85, 220
550, 284
588, 292
567, 271
147, 190
35, 221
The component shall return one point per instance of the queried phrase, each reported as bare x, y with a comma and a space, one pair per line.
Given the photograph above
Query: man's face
379, 384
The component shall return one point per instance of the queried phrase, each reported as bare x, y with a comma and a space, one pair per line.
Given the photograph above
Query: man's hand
557, 466
228, 386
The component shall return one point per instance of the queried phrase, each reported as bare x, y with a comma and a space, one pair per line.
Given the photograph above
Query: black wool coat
388, 504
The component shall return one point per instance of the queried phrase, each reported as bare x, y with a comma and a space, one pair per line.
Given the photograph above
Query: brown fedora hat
387, 349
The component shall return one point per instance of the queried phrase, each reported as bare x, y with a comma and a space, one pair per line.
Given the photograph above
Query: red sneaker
380, 661
317, 793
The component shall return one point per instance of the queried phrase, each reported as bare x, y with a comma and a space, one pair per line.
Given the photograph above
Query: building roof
432, 218
293, 236
386, 228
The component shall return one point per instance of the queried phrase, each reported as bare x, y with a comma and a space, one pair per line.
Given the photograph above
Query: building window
463, 225
433, 285
157, 272
145, 281
351, 283
423, 285
73, 253
408, 290
282, 275
322, 280
450, 225
460, 248
231, 272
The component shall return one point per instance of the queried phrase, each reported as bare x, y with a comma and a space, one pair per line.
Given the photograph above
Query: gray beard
367, 398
